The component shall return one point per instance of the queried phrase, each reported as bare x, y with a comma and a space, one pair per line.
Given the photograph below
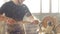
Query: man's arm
3, 9
30, 17
28, 14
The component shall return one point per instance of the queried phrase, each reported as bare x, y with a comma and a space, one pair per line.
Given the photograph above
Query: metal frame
50, 6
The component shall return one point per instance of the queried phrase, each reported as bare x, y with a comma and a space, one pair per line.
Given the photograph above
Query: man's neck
17, 3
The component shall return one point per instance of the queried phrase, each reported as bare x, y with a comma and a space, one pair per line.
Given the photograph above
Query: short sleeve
28, 13
3, 8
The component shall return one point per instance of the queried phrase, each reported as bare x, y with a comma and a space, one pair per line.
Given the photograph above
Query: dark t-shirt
16, 12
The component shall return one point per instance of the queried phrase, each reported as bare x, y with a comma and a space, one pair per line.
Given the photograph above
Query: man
16, 10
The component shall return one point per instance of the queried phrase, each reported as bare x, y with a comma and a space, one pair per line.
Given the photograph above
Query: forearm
31, 18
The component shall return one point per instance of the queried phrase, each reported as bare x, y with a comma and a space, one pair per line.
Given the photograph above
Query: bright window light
33, 5
59, 6
45, 6
1, 2
55, 6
